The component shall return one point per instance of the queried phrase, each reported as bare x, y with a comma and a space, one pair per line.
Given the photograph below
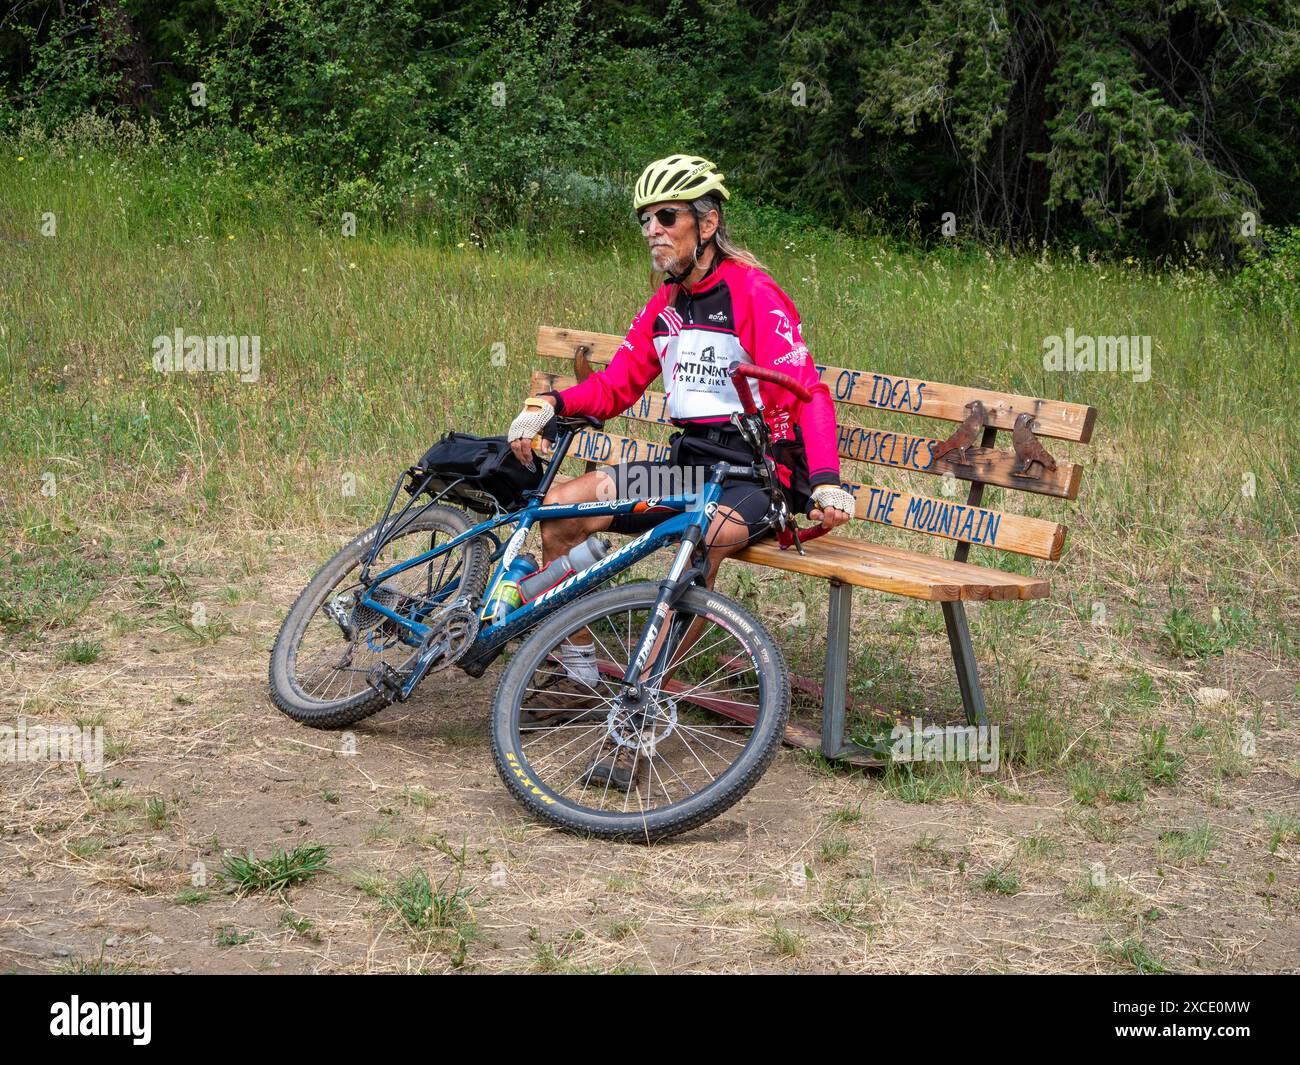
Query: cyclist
716, 305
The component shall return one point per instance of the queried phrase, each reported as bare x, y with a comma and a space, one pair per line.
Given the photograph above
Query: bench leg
835, 689
963, 657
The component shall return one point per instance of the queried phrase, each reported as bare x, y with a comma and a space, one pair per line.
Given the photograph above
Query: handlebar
740, 373
737, 371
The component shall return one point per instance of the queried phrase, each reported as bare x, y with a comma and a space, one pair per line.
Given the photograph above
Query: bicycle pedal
387, 682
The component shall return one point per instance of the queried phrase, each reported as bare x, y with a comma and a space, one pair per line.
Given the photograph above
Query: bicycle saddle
575, 422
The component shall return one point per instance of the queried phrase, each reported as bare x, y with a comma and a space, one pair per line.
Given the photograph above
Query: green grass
281, 870
1284, 828
833, 849
1160, 764
782, 941
434, 913
1001, 881
1184, 846
1095, 785
1132, 953
228, 936
82, 652
96, 966
372, 346
158, 813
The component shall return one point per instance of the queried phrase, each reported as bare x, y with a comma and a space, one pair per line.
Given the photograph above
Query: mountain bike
691, 695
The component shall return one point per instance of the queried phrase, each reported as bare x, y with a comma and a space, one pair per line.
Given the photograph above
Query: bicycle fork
671, 588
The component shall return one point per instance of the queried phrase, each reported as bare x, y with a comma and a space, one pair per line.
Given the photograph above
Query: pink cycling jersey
737, 313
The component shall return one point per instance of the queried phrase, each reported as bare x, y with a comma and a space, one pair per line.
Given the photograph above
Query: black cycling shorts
683, 472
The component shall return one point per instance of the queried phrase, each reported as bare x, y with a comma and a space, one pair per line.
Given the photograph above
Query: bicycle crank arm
390, 683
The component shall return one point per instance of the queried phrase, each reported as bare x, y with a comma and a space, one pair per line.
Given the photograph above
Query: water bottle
505, 595
587, 553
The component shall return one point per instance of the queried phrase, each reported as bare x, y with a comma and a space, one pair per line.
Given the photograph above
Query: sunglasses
667, 216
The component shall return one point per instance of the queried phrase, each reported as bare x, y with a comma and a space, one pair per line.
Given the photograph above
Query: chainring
453, 635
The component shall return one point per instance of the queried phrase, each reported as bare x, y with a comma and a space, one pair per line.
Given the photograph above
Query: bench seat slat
886, 506
885, 569
866, 388
897, 450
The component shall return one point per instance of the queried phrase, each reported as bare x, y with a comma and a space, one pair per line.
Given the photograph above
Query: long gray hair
727, 248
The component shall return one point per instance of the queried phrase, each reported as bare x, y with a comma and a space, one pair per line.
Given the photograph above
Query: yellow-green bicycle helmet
677, 177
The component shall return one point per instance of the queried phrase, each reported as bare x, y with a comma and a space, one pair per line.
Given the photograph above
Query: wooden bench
849, 562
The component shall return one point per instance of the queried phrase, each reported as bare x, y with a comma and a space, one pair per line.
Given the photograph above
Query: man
716, 305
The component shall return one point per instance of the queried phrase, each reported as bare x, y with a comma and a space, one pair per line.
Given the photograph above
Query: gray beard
674, 266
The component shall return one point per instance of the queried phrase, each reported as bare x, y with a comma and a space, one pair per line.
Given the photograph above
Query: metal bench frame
839, 615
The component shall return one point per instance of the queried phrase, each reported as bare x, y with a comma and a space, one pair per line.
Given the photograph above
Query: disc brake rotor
656, 726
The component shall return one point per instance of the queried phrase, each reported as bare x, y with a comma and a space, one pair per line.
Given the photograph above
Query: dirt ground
816, 870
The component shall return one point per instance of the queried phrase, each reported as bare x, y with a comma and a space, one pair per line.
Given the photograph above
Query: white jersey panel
694, 363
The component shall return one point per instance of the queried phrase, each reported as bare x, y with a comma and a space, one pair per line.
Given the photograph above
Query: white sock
580, 662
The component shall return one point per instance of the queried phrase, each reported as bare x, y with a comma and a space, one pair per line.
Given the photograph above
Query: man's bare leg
562, 535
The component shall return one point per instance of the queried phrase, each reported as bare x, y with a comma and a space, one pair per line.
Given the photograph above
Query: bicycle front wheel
707, 727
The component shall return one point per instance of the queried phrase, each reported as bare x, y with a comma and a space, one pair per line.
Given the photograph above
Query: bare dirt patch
817, 870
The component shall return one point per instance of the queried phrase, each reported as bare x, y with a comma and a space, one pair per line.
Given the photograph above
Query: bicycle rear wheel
709, 725
328, 644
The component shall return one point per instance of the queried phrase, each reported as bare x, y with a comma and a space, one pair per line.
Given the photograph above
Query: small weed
833, 849
1285, 829
784, 942
281, 870
846, 815
1189, 636
82, 652
1132, 952
1001, 881
1160, 765
157, 813
227, 936
95, 967
623, 927
1182, 846
926, 782
1099, 901
300, 926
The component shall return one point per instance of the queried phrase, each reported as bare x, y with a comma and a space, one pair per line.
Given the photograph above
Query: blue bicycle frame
694, 512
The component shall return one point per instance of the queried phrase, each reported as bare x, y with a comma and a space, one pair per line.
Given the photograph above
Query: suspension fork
681, 575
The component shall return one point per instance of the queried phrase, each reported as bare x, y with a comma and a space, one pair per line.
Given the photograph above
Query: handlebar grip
738, 370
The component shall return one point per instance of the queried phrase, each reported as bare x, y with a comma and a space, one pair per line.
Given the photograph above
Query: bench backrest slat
949, 519
884, 448
965, 522
864, 388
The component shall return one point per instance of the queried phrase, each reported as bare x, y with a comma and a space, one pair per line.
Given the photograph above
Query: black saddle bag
478, 472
